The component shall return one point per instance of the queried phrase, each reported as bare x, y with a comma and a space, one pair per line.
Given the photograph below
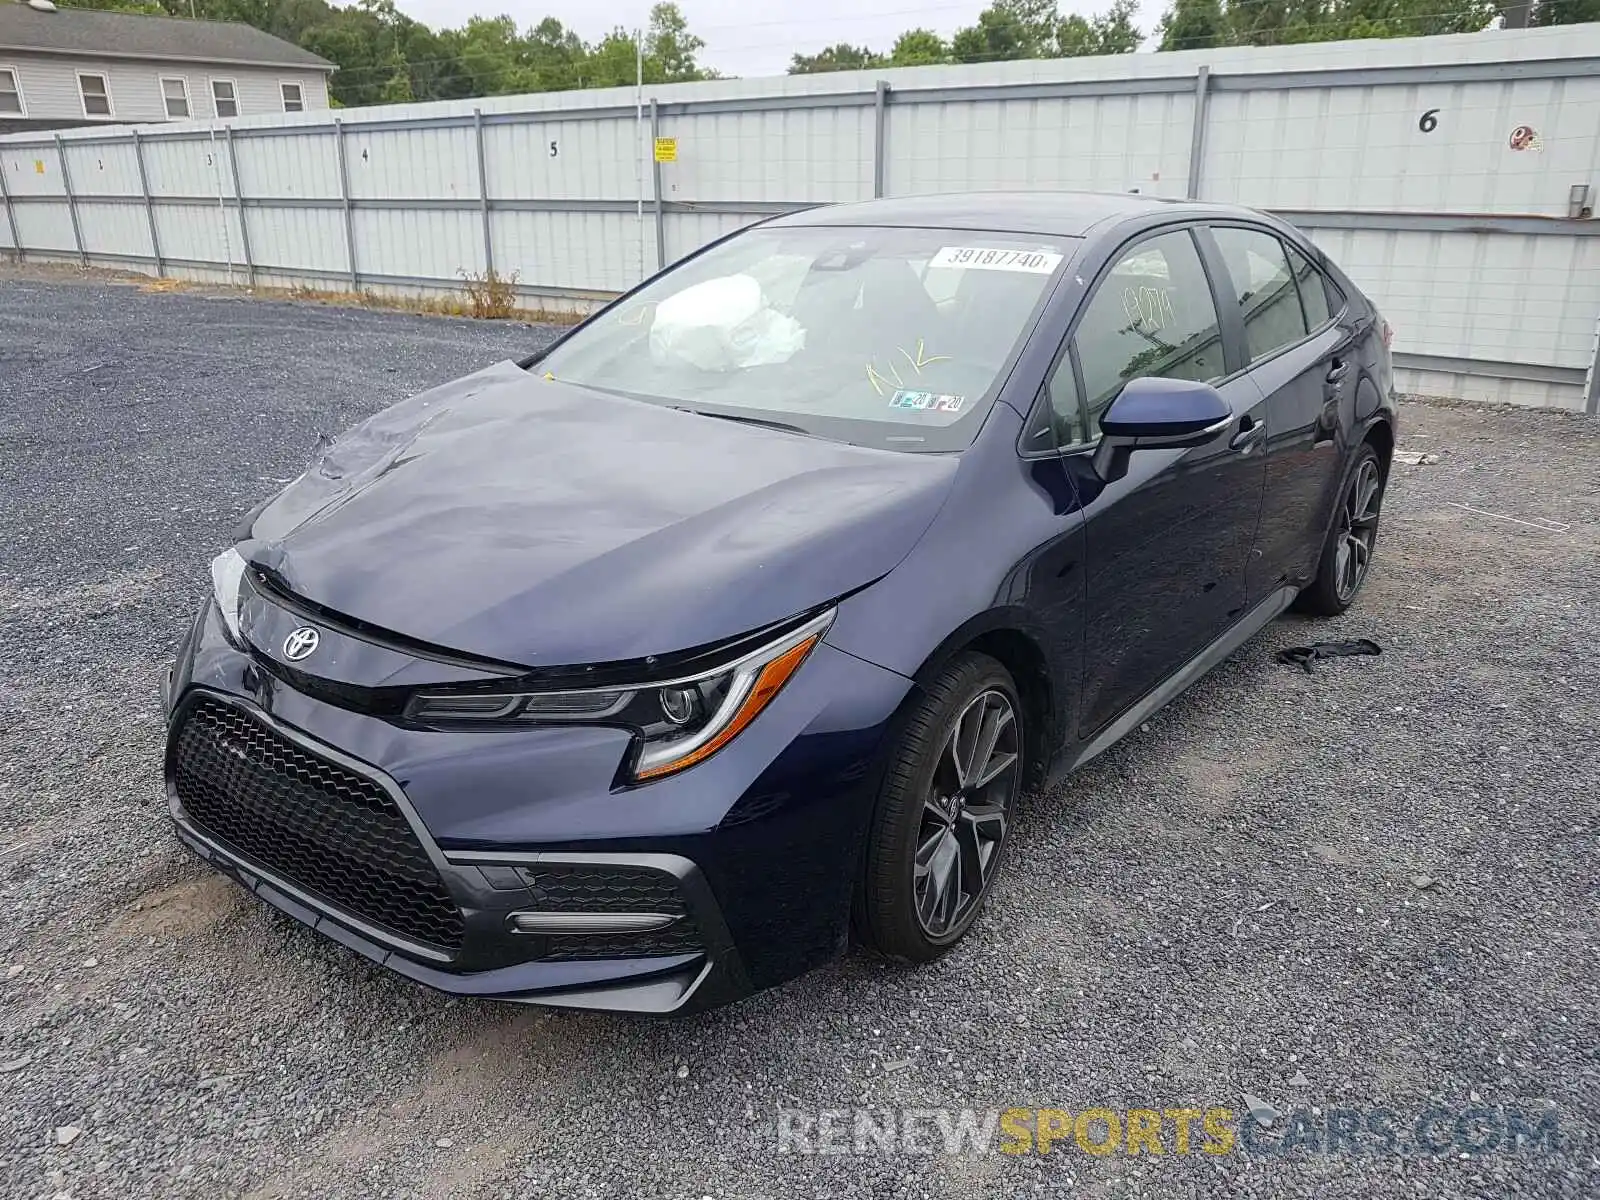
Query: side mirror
1153, 412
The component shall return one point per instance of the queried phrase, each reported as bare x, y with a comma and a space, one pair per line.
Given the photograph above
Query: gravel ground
1226, 904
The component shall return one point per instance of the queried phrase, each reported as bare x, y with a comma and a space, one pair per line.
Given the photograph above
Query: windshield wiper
744, 420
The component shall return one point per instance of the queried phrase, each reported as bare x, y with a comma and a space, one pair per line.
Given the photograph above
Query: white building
72, 67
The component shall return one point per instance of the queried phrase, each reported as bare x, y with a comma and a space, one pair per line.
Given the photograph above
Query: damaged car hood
536, 523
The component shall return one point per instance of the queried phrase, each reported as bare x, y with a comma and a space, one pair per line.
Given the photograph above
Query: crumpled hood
539, 524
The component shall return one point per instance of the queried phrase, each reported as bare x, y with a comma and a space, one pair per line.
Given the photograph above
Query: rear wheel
943, 813
1347, 555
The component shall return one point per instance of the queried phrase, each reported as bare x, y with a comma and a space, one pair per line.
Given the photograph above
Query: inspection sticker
928, 401
981, 258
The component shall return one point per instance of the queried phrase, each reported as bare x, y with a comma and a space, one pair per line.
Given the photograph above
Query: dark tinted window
1313, 293
1261, 283
1152, 315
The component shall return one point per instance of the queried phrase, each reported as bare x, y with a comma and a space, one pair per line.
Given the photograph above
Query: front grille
321, 826
575, 888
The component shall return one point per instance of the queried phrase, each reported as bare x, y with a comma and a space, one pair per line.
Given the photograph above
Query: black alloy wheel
943, 813
964, 814
1358, 529
1352, 540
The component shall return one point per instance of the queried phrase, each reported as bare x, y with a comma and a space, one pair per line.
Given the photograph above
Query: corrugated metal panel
412, 163
103, 170
427, 245
308, 238
575, 250
593, 160
687, 232
1101, 143
186, 169
195, 231
118, 229
301, 165
1481, 389
1365, 148
45, 227
821, 155
33, 171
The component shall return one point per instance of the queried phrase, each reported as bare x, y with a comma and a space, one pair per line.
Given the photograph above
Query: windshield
882, 337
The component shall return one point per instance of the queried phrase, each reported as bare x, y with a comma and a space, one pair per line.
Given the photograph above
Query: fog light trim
589, 922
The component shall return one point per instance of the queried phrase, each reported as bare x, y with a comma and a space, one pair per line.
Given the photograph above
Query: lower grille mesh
614, 889
317, 824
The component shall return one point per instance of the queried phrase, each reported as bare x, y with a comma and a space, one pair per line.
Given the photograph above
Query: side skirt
1253, 622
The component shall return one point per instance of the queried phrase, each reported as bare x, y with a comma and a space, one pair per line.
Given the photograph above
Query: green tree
1193, 25
919, 48
1035, 29
842, 57
611, 62
996, 36
670, 45
486, 58
556, 55
1075, 37
1115, 31
1565, 12
1036, 21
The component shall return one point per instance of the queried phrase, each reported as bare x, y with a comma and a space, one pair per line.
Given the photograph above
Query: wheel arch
1012, 643
1380, 436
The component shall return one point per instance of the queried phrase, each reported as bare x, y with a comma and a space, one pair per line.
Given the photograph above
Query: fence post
11, 216
655, 186
72, 203
1591, 380
483, 194
880, 124
344, 195
149, 205
1197, 135
244, 222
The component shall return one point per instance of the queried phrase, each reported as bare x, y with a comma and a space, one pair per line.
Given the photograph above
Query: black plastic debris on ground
1305, 656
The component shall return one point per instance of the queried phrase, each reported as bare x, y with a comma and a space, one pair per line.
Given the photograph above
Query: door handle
1337, 370
1250, 432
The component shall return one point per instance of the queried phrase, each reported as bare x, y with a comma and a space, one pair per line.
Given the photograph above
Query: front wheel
943, 812
1347, 554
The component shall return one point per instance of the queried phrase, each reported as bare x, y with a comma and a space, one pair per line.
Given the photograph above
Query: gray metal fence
1450, 176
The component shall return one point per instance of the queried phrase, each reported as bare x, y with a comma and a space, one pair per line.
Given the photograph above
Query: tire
1346, 558
940, 823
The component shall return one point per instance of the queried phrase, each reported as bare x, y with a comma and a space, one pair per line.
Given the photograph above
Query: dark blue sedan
641, 673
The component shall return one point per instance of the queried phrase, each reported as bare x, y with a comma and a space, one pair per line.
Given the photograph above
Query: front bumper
762, 874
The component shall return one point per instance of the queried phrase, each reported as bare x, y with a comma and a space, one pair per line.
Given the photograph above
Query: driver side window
1152, 314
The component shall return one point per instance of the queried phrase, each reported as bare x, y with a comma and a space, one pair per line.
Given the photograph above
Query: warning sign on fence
666, 149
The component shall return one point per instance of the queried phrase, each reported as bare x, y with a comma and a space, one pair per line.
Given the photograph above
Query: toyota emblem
302, 643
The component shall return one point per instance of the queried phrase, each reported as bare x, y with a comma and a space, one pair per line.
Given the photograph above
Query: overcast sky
744, 37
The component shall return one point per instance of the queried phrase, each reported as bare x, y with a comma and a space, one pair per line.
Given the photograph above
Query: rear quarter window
1314, 289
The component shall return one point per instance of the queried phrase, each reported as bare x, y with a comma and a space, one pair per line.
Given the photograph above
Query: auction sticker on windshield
982, 258
930, 401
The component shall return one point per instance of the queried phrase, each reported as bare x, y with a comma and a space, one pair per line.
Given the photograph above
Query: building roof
1067, 214
90, 33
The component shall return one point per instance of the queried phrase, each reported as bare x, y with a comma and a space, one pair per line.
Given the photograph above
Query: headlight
227, 572
678, 723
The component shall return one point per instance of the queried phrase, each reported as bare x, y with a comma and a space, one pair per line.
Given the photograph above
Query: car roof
1064, 214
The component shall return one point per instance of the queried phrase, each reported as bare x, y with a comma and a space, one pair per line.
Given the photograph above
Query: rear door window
1269, 302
